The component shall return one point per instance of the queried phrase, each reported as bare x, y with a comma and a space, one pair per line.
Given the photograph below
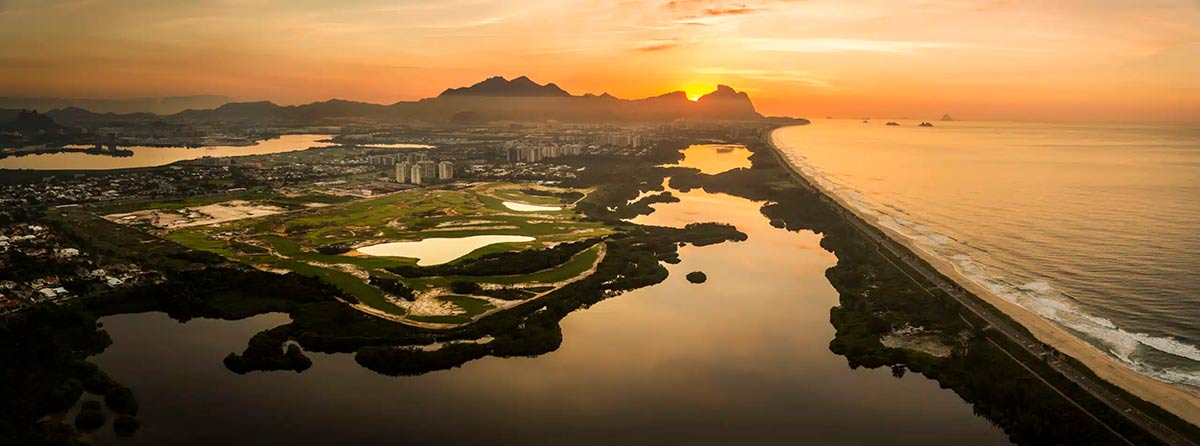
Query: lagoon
712, 159
522, 207
741, 359
436, 251
402, 145
159, 156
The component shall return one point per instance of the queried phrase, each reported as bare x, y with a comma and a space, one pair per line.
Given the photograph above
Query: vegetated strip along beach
1181, 401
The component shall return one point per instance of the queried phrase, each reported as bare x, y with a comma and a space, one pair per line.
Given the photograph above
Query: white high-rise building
414, 175
403, 172
445, 170
428, 170
381, 160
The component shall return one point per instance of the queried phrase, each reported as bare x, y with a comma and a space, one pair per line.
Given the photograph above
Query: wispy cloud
786, 76
730, 10
485, 21
829, 45
658, 45
707, 12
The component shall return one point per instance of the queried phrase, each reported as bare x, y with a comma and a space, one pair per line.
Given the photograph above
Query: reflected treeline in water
127, 157
887, 318
884, 319
205, 285
89, 150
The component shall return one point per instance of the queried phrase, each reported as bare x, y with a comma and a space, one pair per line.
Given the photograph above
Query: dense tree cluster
502, 263
392, 286
877, 298
43, 369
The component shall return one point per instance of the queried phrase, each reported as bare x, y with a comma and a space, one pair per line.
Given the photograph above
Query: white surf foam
1038, 296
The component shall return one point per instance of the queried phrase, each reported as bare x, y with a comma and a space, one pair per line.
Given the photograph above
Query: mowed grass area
519, 196
346, 282
574, 267
319, 241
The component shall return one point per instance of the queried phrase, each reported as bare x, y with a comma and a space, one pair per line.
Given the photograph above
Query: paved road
1005, 327
1031, 345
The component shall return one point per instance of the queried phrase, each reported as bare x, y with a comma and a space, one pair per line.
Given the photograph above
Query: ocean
1095, 227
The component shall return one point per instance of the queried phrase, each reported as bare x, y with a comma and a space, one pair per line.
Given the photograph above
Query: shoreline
1178, 400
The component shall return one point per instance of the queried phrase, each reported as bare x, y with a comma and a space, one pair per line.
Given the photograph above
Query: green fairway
519, 196
577, 265
197, 239
320, 241
349, 284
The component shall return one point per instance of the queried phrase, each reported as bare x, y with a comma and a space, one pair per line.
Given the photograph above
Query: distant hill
493, 99
162, 106
726, 102
26, 122
498, 86
80, 116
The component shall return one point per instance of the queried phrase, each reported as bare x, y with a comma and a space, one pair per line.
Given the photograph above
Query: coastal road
1030, 345
1001, 325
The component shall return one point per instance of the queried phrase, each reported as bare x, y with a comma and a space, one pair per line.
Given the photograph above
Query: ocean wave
1038, 296
1168, 345
1048, 303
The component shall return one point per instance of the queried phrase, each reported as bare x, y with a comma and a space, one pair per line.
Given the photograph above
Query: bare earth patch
197, 216
910, 338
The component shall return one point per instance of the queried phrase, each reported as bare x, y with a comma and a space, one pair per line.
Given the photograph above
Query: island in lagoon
347, 268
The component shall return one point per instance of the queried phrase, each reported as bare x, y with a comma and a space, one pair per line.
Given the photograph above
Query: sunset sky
984, 59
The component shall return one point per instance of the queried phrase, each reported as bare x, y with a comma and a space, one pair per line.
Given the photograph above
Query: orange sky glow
1079, 60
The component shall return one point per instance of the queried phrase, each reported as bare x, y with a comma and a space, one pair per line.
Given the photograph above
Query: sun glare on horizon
695, 92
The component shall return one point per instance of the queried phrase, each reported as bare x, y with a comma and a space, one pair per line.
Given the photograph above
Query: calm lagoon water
436, 251
159, 156
522, 207
740, 359
397, 146
1094, 227
714, 158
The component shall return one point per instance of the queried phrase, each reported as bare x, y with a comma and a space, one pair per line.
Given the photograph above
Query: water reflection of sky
439, 250
715, 158
740, 359
158, 156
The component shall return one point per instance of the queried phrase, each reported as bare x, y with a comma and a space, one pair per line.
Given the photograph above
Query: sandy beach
1178, 400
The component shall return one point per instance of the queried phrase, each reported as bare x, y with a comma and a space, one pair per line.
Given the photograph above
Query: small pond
436, 251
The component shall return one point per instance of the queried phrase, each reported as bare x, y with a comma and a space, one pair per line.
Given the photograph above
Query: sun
695, 91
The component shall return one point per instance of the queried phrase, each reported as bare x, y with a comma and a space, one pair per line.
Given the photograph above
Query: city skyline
1067, 61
